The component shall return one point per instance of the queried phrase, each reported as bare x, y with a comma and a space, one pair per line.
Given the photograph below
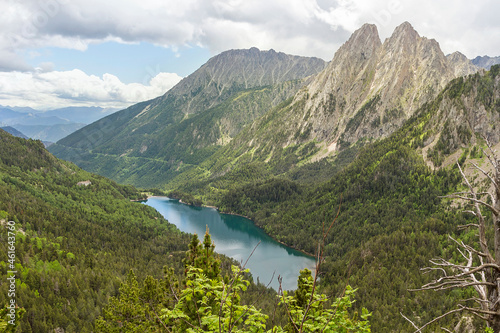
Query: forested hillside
88, 258
74, 243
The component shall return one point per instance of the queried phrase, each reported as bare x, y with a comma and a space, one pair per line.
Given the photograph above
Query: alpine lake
237, 237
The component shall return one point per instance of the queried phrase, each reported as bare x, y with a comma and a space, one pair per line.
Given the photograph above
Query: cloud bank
57, 89
304, 27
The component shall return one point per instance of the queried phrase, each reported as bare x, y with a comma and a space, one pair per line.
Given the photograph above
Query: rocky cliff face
463, 66
236, 70
388, 83
368, 90
466, 112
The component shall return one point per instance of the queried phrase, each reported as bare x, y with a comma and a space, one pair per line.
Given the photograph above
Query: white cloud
55, 89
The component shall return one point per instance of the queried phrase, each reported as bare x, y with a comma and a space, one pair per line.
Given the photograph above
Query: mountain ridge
486, 61
365, 93
230, 91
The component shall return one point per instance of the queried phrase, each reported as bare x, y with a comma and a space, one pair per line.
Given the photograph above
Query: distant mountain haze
486, 61
51, 125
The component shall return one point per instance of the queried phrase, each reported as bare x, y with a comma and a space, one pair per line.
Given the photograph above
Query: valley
353, 157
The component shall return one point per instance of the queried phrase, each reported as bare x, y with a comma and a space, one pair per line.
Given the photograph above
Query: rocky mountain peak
404, 39
234, 70
363, 42
462, 65
405, 29
351, 64
370, 89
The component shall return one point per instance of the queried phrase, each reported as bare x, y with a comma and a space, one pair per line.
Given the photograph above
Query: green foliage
218, 309
202, 256
308, 311
10, 318
186, 198
207, 302
216, 304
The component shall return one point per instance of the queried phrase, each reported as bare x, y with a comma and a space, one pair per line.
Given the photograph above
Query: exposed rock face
235, 70
370, 88
463, 66
486, 61
468, 110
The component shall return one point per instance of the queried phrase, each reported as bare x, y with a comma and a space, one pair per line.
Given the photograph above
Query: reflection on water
236, 237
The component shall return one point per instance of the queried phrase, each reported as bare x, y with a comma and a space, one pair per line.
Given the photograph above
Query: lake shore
244, 216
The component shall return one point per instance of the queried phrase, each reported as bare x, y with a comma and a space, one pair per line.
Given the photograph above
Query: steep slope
145, 130
366, 92
74, 243
465, 113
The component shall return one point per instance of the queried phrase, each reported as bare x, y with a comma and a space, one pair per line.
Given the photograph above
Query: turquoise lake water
236, 237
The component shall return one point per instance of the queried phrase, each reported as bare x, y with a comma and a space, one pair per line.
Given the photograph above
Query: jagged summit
462, 64
367, 34
405, 29
404, 40
369, 89
363, 43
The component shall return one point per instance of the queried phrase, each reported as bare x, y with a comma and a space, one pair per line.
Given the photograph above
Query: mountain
48, 133
486, 61
6, 114
367, 91
29, 116
81, 114
465, 113
51, 125
187, 124
14, 132
463, 66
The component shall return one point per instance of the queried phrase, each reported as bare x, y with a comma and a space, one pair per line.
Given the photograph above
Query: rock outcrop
371, 88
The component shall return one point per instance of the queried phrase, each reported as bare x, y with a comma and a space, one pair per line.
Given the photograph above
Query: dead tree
480, 267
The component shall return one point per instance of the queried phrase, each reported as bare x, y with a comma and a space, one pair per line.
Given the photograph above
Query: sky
114, 53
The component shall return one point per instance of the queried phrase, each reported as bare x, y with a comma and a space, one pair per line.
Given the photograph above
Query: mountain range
50, 125
486, 61
260, 105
